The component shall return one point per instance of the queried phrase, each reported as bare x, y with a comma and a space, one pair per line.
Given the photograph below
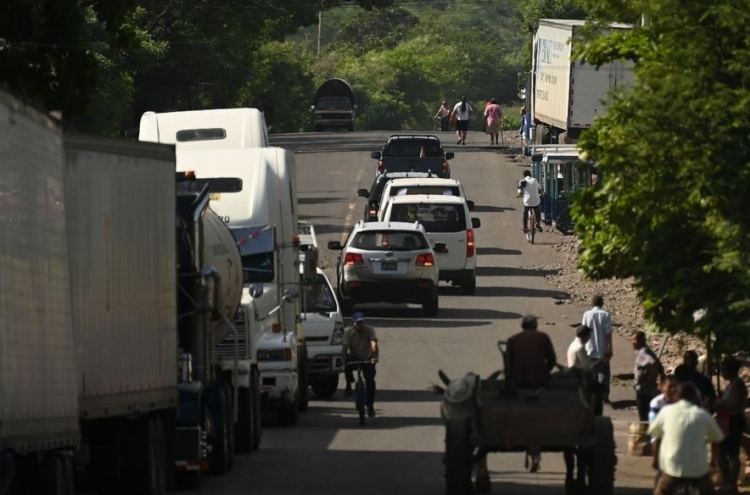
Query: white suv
422, 185
446, 220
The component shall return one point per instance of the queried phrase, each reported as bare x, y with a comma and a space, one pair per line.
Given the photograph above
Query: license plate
389, 266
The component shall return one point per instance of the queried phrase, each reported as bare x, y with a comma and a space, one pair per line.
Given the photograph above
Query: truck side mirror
476, 223
256, 291
335, 245
363, 193
375, 155
470, 204
450, 155
290, 295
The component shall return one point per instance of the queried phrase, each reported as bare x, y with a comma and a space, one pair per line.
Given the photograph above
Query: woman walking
493, 115
462, 111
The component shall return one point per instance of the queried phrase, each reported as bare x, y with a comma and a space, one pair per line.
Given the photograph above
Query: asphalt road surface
399, 452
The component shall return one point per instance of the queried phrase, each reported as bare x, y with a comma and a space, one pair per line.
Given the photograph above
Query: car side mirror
475, 223
470, 204
375, 155
449, 155
440, 247
363, 193
335, 245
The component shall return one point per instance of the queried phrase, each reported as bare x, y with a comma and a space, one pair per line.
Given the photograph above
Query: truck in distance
333, 106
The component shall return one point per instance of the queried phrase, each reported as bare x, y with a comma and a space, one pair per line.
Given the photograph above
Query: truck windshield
334, 104
318, 297
257, 268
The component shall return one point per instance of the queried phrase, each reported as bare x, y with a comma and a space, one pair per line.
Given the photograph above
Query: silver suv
388, 262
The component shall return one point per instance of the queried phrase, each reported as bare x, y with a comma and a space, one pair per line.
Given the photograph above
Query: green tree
673, 155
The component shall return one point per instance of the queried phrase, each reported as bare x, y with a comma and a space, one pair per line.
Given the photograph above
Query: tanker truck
112, 297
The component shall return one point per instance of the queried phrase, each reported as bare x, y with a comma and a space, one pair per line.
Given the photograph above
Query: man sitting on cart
531, 356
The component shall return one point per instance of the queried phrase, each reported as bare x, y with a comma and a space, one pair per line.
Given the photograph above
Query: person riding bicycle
532, 192
360, 343
444, 114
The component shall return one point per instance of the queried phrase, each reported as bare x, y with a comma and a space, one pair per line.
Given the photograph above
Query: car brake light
469, 243
425, 260
381, 166
445, 166
373, 212
353, 259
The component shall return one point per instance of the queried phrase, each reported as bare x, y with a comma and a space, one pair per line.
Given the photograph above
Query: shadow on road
401, 311
317, 201
329, 229
520, 292
491, 209
423, 323
510, 271
496, 250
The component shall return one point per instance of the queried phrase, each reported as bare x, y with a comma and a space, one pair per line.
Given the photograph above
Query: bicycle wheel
359, 400
532, 228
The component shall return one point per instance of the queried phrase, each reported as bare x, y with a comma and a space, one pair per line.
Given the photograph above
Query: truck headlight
275, 354
337, 336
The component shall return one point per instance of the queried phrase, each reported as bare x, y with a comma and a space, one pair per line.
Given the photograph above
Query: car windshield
389, 240
413, 148
435, 217
334, 104
318, 296
257, 268
420, 189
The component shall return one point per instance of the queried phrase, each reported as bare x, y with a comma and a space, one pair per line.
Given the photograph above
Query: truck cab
333, 106
322, 318
254, 193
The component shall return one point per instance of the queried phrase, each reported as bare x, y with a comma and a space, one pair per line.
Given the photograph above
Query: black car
413, 153
375, 193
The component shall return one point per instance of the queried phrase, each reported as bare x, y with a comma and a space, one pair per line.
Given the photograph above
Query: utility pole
320, 28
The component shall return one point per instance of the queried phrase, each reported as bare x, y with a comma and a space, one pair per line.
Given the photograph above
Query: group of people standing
684, 412
461, 113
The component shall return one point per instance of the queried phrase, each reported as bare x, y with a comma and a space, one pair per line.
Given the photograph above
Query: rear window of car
413, 148
435, 217
437, 190
389, 240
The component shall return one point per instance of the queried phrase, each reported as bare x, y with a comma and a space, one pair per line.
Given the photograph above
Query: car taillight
425, 260
469, 243
445, 167
381, 166
373, 212
353, 259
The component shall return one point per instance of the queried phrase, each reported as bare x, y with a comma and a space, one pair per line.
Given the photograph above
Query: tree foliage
670, 208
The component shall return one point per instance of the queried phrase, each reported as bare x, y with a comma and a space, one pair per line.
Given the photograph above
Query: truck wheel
243, 428
603, 460
325, 386
431, 307
145, 456
302, 379
257, 415
469, 286
289, 413
458, 457
220, 451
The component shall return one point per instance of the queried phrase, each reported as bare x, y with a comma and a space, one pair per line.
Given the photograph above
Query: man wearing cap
360, 343
531, 356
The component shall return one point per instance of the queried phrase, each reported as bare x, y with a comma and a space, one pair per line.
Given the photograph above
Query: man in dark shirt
701, 381
531, 356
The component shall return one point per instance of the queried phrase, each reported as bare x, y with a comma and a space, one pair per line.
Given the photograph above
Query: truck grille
225, 349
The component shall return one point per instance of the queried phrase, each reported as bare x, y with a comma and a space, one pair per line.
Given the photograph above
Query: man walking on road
681, 431
361, 344
646, 371
531, 356
701, 381
600, 344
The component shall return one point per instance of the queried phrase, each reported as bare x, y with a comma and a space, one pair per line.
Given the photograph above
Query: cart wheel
603, 459
457, 457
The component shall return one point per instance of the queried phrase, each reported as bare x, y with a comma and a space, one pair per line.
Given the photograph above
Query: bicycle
360, 390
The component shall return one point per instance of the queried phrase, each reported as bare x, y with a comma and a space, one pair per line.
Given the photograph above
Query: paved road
400, 451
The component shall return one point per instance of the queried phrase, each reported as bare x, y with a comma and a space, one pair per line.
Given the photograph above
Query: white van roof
238, 128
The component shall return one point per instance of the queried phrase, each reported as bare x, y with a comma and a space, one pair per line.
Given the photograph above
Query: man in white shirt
577, 356
531, 190
600, 344
681, 431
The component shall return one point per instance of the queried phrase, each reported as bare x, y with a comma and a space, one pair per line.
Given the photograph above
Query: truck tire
303, 379
458, 457
54, 476
220, 452
106, 468
603, 458
257, 414
431, 307
243, 428
324, 386
144, 456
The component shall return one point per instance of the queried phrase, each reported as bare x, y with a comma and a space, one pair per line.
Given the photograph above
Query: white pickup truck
322, 318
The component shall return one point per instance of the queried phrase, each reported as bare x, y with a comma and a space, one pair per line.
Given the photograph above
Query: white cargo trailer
567, 95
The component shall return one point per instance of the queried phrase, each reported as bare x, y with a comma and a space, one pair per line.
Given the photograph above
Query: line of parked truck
157, 300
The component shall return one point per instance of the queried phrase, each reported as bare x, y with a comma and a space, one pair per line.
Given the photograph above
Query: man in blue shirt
600, 344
